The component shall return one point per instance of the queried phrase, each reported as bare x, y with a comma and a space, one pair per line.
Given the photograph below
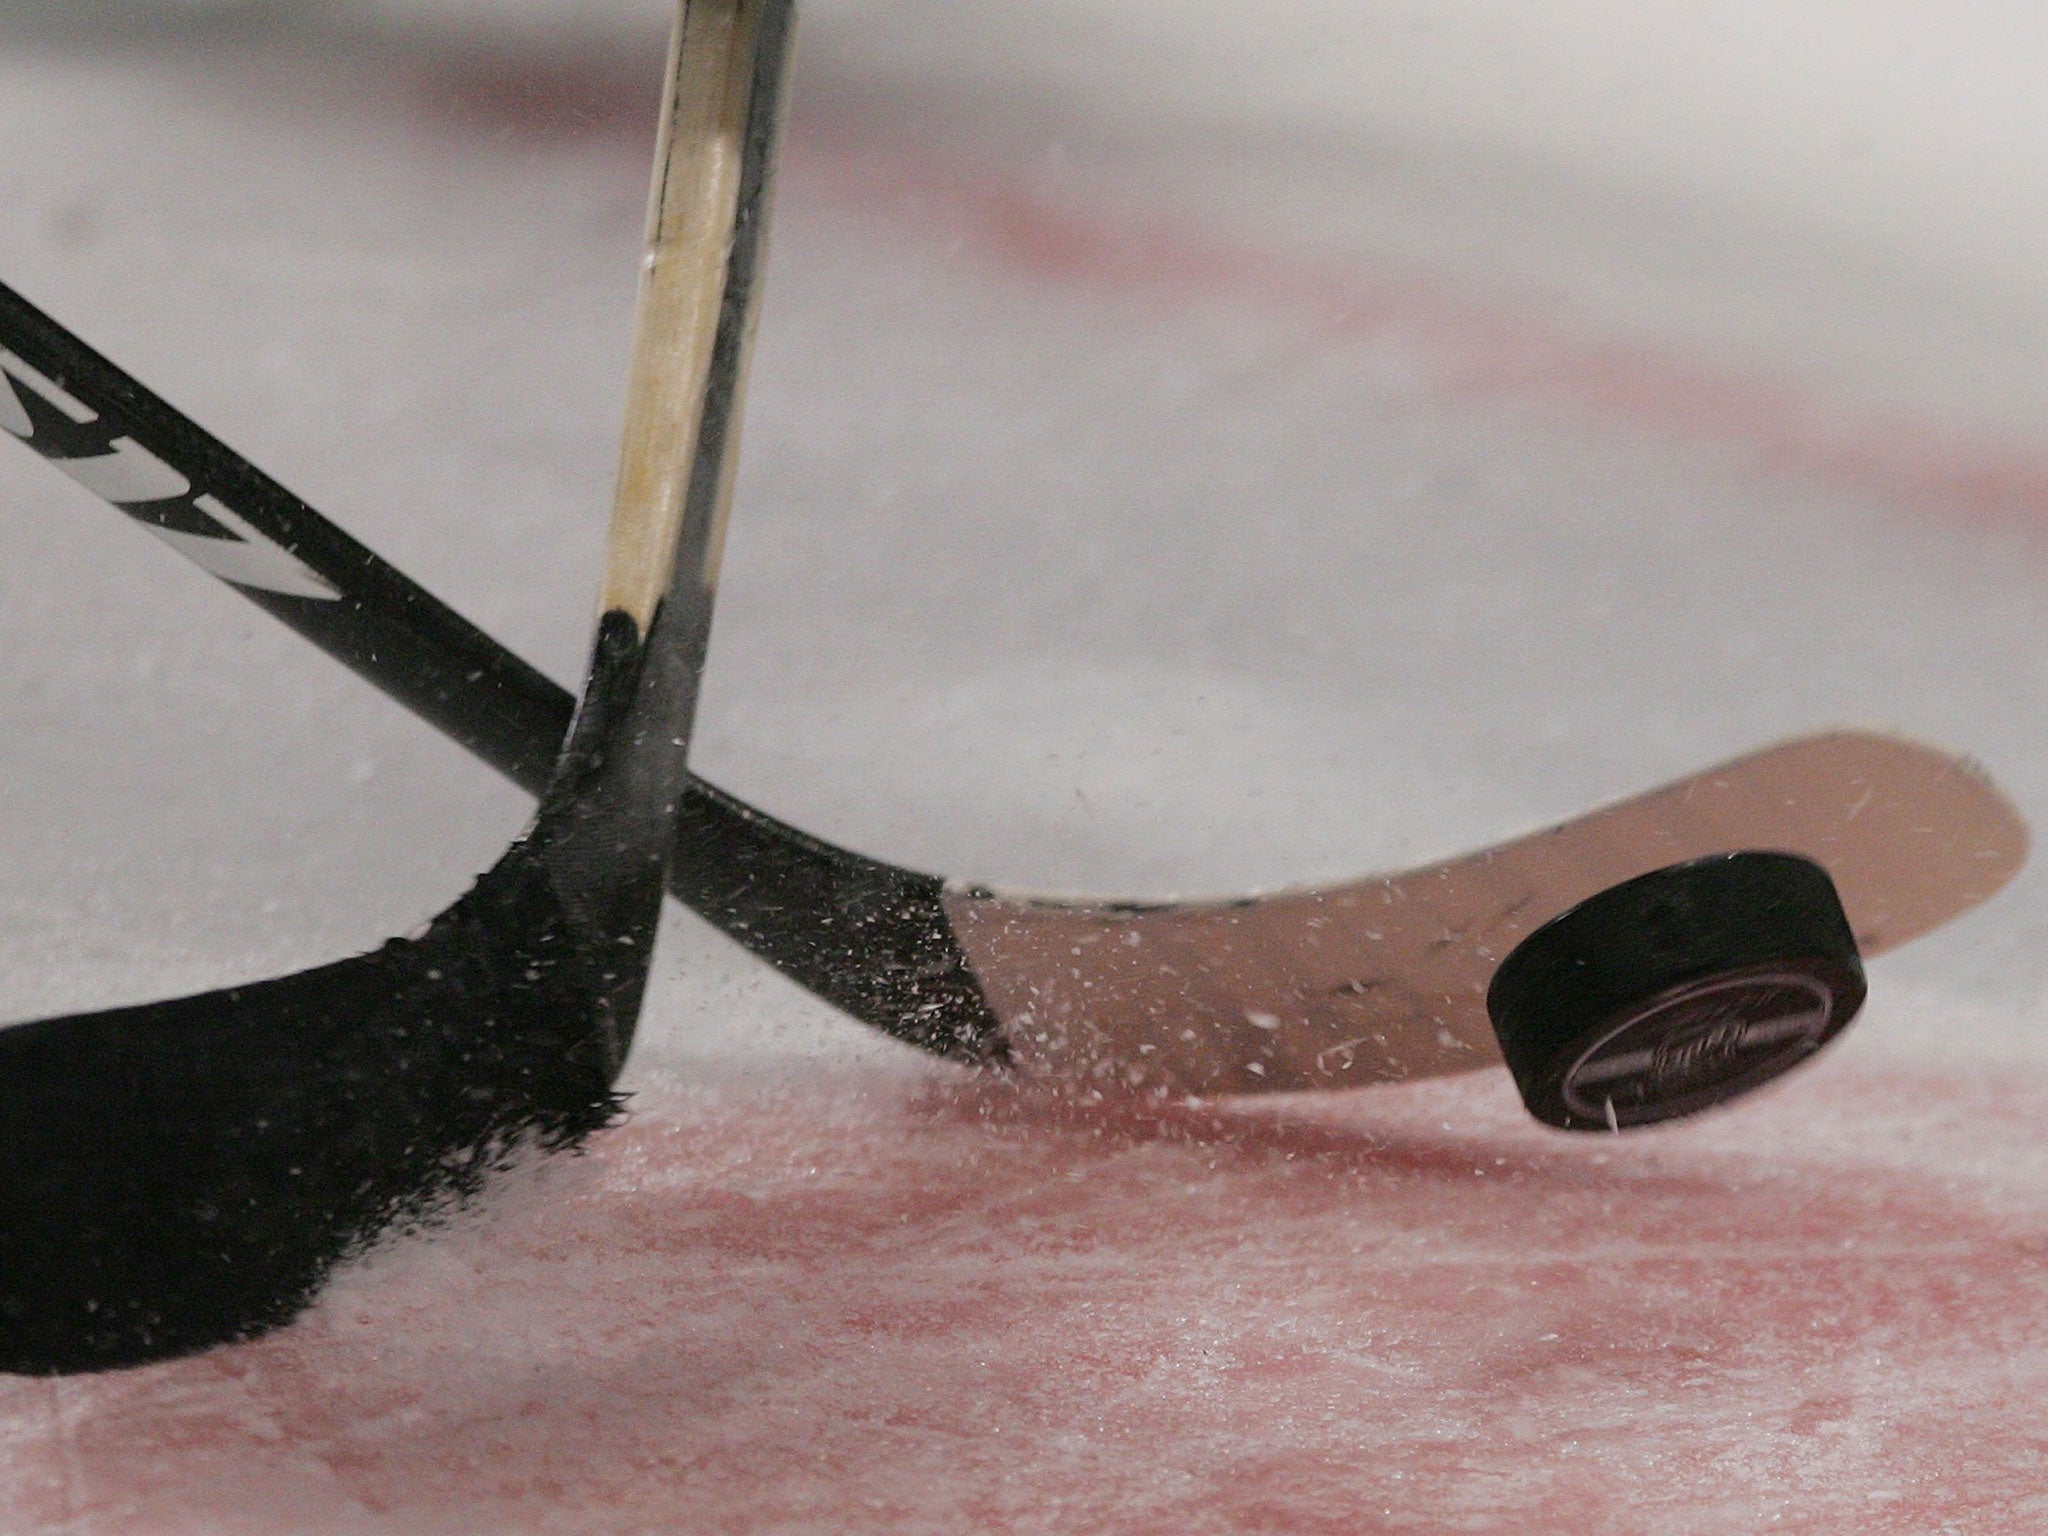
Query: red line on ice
869, 1304
1466, 346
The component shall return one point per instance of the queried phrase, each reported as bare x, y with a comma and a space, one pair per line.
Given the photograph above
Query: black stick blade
184, 1174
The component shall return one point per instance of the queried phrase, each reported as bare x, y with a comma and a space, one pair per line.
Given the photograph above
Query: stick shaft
90, 419
868, 937
693, 211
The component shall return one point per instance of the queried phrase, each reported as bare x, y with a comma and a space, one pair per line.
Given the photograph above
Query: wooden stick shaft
689, 239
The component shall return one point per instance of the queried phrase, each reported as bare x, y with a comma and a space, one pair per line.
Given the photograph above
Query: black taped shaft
868, 937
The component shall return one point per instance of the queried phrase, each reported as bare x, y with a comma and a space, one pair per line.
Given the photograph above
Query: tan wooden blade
1386, 978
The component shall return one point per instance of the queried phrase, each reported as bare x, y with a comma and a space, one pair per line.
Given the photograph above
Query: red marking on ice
870, 1305
544, 98
1465, 345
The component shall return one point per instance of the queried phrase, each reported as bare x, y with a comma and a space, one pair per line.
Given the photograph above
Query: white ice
1192, 447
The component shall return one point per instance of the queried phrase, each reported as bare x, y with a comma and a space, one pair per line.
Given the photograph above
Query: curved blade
183, 1173
186, 1173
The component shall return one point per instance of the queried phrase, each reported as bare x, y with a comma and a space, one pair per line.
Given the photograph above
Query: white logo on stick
129, 475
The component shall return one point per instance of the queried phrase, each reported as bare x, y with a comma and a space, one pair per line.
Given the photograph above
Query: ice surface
1192, 447
857, 1302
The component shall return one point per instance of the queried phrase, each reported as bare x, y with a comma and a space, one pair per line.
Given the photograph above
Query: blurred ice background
1193, 446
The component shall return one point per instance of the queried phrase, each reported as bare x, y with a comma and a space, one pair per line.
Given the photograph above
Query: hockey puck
1676, 991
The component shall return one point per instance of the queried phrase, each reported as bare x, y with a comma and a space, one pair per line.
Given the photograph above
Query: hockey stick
1295, 989
870, 938
1358, 982
181, 1174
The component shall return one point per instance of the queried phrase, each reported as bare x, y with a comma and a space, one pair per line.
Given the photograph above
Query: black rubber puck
1676, 991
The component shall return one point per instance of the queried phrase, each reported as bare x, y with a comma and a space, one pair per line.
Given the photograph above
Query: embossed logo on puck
1699, 1043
